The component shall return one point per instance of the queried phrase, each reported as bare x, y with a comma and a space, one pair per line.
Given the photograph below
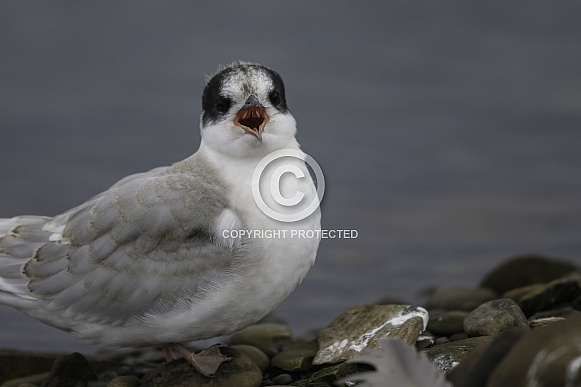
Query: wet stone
560, 312
33, 380
330, 375
447, 323
16, 364
525, 270
69, 371
442, 340
554, 294
240, 371
543, 322
447, 356
282, 379
459, 298
495, 316
256, 355
518, 293
364, 325
425, 340
297, 357
125, 381
458, 336
268, 337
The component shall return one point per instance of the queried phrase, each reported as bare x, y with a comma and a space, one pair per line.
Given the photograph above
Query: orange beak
252, 118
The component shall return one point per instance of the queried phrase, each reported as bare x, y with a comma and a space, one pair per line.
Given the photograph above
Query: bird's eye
222, 104
274, 98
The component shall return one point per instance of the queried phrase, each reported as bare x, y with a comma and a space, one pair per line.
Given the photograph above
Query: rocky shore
521, 326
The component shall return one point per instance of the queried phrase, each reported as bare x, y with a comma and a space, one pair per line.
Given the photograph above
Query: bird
154, 261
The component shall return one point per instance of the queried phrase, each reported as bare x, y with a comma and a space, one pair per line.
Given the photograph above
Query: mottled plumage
146, 262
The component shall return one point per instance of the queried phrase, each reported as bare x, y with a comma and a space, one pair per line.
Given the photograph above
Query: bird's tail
19, 238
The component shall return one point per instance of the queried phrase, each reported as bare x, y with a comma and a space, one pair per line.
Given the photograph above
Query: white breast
262, 278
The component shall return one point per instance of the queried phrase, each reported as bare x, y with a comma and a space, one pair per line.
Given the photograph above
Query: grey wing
141, 244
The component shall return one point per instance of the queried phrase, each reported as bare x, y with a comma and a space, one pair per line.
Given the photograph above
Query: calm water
449, 135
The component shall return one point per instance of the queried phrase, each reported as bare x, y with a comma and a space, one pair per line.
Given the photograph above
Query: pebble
518, 293
69, 371
425, 340
442, 340
501, 358
447, 356
282, 379
35, 380
14, 364
560, 312
256, 355
240, 371
125, 381
554, 294
330, 375
363, 326
447, 323
495, 316
268, 337
458, 336
459, 298
543, 322
297, 357
525, 270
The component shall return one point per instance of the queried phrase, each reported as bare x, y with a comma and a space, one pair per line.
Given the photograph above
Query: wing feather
143, 243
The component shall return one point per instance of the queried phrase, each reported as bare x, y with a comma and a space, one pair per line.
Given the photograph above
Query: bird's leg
169, 356
205, 362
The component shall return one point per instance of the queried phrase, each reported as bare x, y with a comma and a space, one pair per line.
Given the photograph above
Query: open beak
252, 117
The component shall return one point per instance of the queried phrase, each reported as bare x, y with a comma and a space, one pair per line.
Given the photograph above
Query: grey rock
459, 298
294, 358
282, 379
447, 323
256, 355
330, 375
442, 340
447, 356
543, 322
518, 293
560, 312
425, 340
125, 381
525, 270
364, 325
16, 364
33, 380
268, 337
458, 336
543, 357
554, 294
69, 371
240, 371
493, 317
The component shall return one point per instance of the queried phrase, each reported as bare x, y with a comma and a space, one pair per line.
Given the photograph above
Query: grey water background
449, 132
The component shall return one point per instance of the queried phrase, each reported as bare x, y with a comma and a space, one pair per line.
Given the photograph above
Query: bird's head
245, 111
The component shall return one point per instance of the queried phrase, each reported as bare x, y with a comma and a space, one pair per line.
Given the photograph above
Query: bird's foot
206, 361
